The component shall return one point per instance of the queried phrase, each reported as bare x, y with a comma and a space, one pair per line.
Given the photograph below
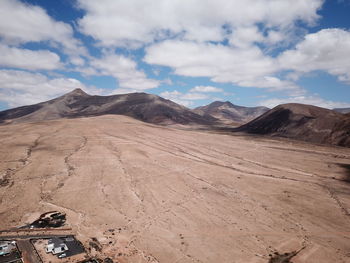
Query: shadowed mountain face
304, 122
230, 113
342, 110
141, 106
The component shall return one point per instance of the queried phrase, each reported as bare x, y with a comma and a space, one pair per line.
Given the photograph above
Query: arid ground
148, 193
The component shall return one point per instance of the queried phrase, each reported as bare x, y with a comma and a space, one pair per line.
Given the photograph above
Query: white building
56, 246
6, 247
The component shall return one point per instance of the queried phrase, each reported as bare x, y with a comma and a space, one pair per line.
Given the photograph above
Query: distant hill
141, 106
230, 113
304, 122
342, 110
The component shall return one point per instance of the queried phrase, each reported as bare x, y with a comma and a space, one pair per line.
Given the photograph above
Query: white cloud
194, 96
220, 62
274, 36
22, 23
28, 59
176, 96
19, 88
312, 100
186, 99
246, 67
122, 91
167, 81
132, 23
185, 35
206, 89
124, 70
327, 50
244, 36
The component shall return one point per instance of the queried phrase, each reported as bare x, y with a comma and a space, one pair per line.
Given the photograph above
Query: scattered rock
108, 260
282, 258
95, 244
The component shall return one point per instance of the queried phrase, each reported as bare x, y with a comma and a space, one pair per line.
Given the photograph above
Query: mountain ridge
303, 122
230, 113
342, 110
142, 106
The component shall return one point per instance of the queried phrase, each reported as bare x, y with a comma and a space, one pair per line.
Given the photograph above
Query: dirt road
29, 255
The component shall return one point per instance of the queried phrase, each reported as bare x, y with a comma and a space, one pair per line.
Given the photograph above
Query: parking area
74, 246
11, 258
9, 252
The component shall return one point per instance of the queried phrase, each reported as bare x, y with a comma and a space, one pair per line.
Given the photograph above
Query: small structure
6, 247
64, 246
56, 246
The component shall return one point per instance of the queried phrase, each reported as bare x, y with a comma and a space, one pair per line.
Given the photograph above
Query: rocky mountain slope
342, 110
304, 122
230, 113
141, 106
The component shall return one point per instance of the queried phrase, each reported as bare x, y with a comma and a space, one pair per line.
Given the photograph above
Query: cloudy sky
250, 52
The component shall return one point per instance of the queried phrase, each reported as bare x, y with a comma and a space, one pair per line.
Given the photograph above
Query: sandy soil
157, 194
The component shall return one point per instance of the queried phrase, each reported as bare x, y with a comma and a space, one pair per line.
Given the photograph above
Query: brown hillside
303, 122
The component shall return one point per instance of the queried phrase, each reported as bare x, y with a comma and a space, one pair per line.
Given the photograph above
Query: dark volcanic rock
303, 122
142, 106
228, 112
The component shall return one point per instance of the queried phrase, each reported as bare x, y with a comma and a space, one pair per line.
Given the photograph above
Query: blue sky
253, 52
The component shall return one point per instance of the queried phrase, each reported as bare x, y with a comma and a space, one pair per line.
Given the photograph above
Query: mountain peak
230, 113
77, 92
220, 103
142, 106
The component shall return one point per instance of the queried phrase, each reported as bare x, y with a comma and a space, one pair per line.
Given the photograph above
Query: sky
249, 52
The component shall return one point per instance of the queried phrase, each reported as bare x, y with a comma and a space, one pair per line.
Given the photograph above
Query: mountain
228, 112
304, 122
342, 110
141, 106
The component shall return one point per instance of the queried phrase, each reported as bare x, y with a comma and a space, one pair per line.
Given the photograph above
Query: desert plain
152, 193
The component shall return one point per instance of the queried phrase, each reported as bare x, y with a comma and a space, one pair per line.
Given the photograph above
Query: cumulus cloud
28, 59
246, 67
124, 70
187, 36
194, 96
132, 23
19, 88
22, 23
175, 96
186, 99
312, 100
244, 36
326, 50
222, 63
225, 41
206, 89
